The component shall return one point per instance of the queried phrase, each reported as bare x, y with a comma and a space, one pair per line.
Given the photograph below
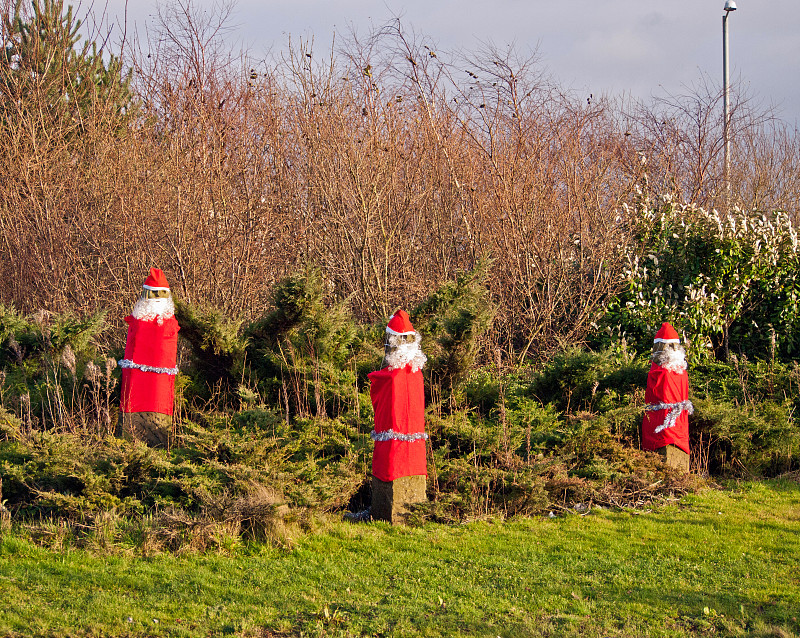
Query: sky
639, 48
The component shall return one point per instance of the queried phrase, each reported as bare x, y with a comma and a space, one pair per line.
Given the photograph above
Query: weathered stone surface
153, 428
675, 457
5, 515
391, 500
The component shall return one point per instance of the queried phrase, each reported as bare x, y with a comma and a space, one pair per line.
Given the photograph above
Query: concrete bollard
391, 500
674, 457
153, 428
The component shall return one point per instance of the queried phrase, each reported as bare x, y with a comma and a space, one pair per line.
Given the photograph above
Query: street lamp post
730, 5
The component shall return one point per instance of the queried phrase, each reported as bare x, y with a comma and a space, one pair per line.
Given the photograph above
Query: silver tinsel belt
127, 363
675, 410
391, 435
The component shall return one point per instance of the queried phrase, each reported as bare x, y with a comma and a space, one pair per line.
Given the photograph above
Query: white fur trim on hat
666, 340
153, 287
399, 334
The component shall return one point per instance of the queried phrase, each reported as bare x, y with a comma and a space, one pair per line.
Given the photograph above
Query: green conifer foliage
217, 348
304, 350
50, 80
48, 368
452, 321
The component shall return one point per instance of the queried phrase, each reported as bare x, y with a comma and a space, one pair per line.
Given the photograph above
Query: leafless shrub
682, 137
389, 164
28, 420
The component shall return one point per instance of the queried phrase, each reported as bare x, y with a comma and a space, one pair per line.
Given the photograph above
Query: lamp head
730, 5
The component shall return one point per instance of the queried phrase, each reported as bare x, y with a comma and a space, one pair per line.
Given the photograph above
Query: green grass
717, 563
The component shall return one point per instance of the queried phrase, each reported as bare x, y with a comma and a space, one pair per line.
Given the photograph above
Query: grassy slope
719, 562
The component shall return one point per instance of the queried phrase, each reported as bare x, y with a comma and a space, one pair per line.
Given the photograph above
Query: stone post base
674, 457
390, 500
5, 515
153, 428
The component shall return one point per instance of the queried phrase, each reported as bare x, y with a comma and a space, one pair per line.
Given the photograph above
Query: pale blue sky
639, 47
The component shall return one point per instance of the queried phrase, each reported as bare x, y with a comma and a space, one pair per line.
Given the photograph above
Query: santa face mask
157, 309
671, 356
402, 350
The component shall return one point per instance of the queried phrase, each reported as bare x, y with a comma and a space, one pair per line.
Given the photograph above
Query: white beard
406, 353
672, 360
153, 309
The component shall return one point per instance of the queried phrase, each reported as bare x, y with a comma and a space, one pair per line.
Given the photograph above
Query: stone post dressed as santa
149, 366
666, 419
399, 468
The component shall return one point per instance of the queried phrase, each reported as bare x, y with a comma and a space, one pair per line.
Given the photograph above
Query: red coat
148, 370
666, 387
398, 397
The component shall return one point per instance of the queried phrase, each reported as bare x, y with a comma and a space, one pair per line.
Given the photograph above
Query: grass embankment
721, 562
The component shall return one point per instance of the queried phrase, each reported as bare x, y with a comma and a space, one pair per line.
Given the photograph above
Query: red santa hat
666, 334
156, 280
400, 324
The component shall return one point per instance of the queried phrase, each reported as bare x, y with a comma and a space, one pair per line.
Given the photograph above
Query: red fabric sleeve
665, 386
398, 397
153, 345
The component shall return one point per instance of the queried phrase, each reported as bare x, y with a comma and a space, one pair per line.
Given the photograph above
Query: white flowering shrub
728, 282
